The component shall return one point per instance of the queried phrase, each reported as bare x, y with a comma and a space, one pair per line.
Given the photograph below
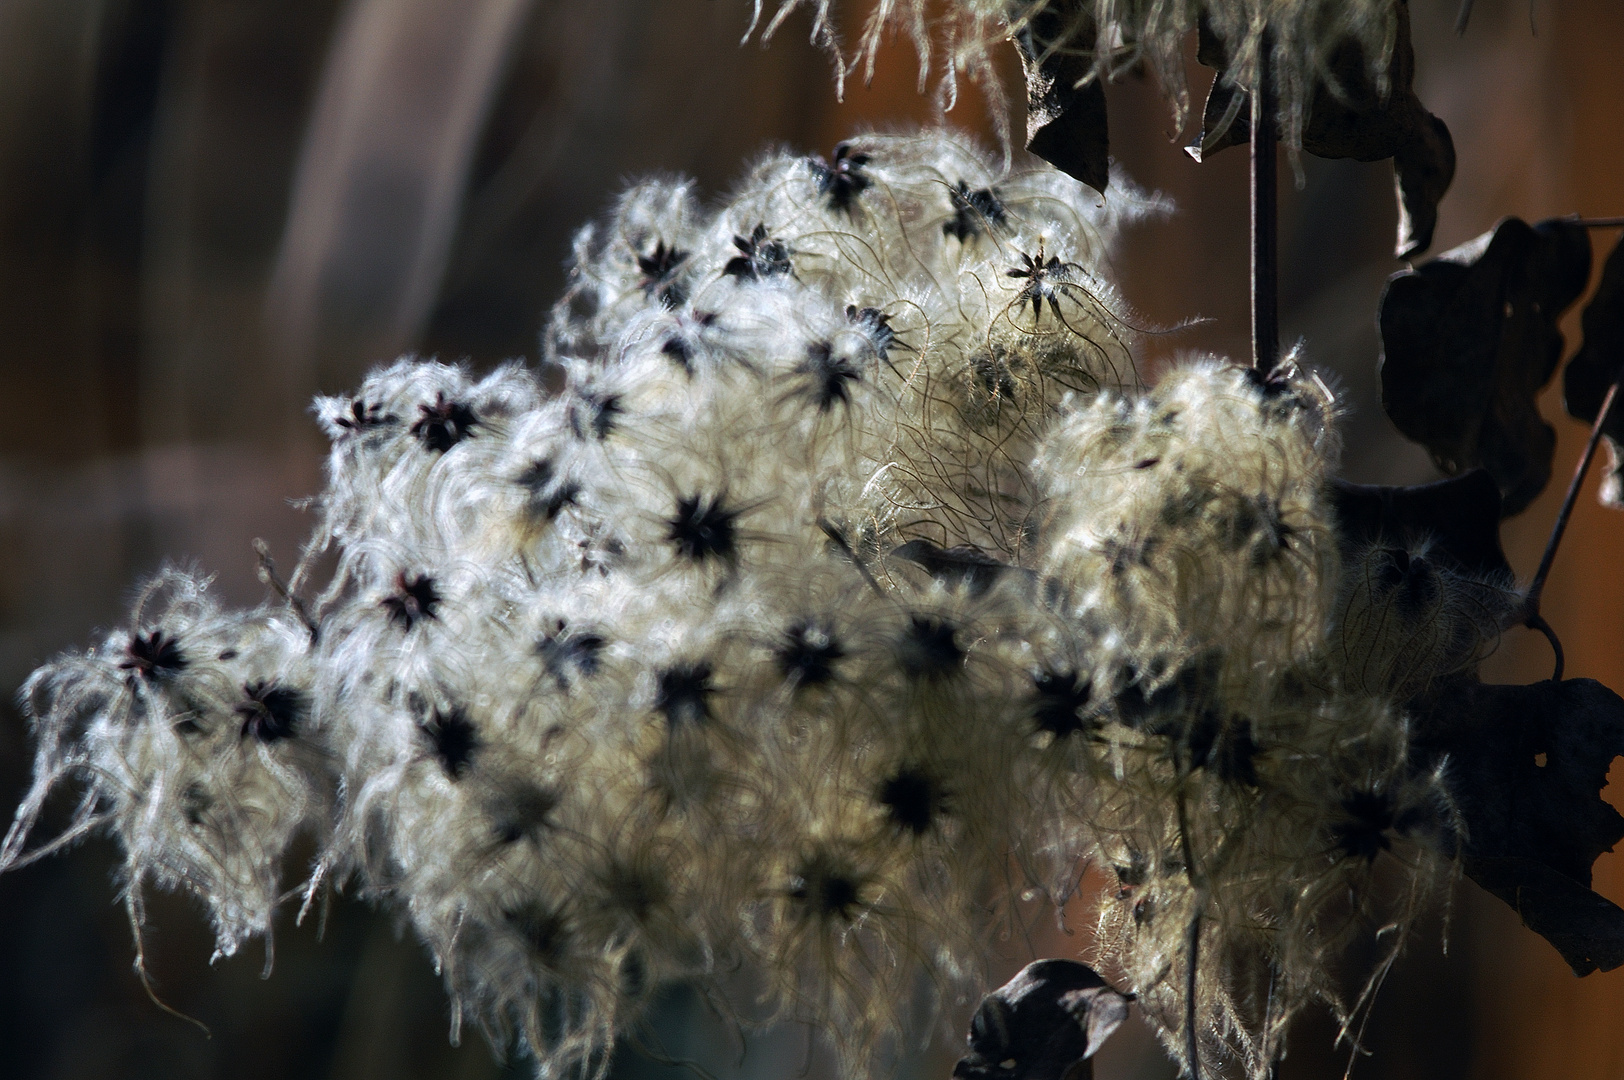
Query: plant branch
268, 575
1538, 585
1265, 210
1599, 222
1192, 1040
1528, 614
1537, 622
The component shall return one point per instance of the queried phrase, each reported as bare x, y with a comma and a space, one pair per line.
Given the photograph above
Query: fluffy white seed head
850, 590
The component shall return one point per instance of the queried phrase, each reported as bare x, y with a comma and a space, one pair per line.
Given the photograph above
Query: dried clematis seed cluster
1309, 42
846, 588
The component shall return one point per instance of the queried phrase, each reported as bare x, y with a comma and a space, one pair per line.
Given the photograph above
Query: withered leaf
1584, 926
1423, 167
1226, 119
1595, 366
1459, 516
1066, 121
1526, 766
958, 566
1044, 1024
1351, 116
1468, 341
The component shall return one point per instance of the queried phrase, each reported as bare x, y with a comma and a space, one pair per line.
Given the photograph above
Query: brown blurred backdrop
211, 210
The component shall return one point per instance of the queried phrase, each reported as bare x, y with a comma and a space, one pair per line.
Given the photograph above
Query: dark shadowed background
211, 210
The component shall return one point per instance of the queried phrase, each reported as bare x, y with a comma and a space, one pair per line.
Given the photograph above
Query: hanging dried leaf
1351, 115
1226, 120
1459, 516
1468, 341
1526, 767
1066, 122
1595, 366
1044, 1024
1584, 926
1422, 170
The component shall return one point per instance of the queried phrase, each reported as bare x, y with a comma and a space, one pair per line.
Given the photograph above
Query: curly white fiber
849, 568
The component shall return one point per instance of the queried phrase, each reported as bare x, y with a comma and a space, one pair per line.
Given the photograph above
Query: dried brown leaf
1044, 1024
1468, 341
1526, 766
1351, 115
1066, 122
1458, 517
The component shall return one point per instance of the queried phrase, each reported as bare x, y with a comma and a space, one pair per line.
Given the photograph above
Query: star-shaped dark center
415, 598
155, 655
270, 712
759, 256
444, 424
704, 528
843, 180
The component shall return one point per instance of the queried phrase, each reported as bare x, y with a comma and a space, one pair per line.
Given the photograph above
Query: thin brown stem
1537, 622
1537, 587
1265, 215
1192, 1040
268, 575
1530, 614
1599, 222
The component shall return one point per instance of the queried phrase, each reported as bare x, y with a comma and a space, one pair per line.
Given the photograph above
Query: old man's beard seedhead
849, 569
1309, 42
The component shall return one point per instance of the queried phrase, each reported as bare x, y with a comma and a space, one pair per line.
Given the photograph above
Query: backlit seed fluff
849, 569
954, 38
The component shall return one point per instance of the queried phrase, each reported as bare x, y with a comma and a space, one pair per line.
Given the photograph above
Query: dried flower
957, 37
769, 650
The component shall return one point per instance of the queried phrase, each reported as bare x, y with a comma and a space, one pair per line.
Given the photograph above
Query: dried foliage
1530, 763
1342, 75
1066, 120
1044, 1024
1458, 518
1356, 109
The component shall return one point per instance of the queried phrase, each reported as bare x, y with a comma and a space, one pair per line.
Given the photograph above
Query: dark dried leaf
1584, 926
1066, 121
1468, 341
1348, 116
1044, 1024
1526, 766
1601, 356
1227, 118
1225, 121
959, 566
1460, 517
1351, 116
1596, 365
